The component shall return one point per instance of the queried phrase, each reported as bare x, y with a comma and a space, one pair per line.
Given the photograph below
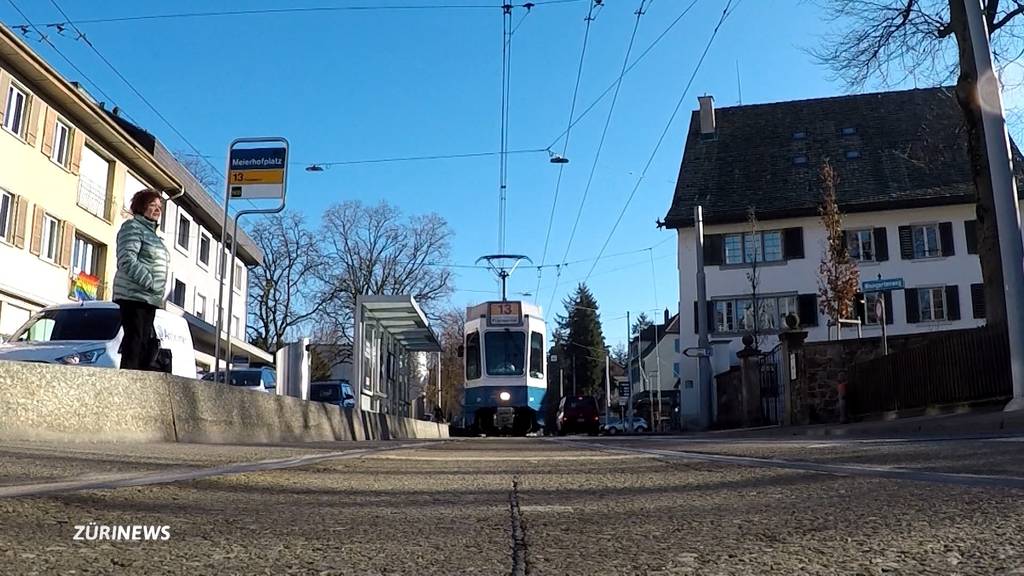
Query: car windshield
325, 392
506, 353
239, 377
71, 324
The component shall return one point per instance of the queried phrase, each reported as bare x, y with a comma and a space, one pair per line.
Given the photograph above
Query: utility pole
1004, 190
607, 387
628, 425
703, 362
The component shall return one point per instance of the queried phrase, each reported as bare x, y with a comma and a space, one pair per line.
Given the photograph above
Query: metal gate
771, 397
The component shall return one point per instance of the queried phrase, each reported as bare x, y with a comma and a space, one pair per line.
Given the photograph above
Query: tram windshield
506, 353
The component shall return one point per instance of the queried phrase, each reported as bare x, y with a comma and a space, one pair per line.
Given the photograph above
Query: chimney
666, 316
707, 116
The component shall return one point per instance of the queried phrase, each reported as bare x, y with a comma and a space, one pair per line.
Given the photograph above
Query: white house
905, 190
656, 350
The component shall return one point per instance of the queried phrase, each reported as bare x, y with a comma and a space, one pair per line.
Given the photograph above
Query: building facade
904, 187
65, 171
68, 171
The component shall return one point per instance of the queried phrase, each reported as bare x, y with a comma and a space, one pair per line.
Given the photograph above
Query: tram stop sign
257, 173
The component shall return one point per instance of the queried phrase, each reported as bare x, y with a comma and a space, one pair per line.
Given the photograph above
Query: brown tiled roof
911, 147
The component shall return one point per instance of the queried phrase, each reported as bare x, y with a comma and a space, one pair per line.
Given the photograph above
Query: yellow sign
237, 177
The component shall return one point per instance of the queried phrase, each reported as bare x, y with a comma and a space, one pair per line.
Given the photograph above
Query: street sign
883, 284
698, 352
258, 173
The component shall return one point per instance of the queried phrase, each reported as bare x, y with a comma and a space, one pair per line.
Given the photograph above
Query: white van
89, 334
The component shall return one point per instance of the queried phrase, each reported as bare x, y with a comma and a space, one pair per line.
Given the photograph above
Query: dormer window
852, 154
848, 131
799, 135
800, 159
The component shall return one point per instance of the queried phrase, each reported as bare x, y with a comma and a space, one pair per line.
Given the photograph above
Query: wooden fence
961, 366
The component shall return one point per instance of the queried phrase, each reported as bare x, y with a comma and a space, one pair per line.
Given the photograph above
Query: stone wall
822, 370
75, 403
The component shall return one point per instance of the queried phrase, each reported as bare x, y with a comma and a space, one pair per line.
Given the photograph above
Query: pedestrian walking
141, 280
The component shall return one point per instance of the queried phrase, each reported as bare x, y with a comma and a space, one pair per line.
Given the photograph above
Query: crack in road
520, 567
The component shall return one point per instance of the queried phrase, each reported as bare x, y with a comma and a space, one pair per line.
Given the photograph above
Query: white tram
506, 372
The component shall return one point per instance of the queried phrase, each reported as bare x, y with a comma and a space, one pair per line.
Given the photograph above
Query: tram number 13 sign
504, 314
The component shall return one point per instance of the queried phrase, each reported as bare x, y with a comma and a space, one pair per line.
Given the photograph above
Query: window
799, 135
14, 114
235, 323
800, 159
6, 212
223, 265
932, 304
51, 238
734, 315
84, 256
505, 352
536, 355
184, 229
61, 153
675, 370
132, 186
94, 173
852, 154
72, 324
676, 345
200, 306
239, 276
472, 356
754, 247
861, 245
204, 249
926, 241
849, 131
178, 295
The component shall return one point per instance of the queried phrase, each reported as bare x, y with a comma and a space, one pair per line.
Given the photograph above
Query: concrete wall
40, 402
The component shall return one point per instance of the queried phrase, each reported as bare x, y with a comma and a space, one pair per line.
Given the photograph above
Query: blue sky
369, 84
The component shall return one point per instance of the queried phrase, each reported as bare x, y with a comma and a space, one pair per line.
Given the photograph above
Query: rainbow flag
84, 287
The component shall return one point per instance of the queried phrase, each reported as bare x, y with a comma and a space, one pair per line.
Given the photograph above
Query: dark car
261, 379
578, 414
337, 392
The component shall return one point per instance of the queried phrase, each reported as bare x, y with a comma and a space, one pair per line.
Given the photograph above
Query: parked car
337, 392
616, 425
578, 414
262, 379
89, 334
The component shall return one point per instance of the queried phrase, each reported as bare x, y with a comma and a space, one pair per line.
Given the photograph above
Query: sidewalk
991, 422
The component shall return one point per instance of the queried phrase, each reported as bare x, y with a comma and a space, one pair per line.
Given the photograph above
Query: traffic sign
698, 352
258, 173
883, 284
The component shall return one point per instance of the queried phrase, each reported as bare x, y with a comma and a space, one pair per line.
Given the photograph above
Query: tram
506, 372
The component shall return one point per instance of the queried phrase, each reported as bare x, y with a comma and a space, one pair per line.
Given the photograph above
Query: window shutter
67, 242
971, 233
49, 125
793, 243
807, 309
978, 300
5, 83
906, 243
913, 311
77, 142
696, 325
953, 302
34, 108
888, 306
19, 223
36, 244
881, 238
946, 238
713, 250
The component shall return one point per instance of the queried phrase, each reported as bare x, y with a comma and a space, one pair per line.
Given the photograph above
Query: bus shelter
388, 331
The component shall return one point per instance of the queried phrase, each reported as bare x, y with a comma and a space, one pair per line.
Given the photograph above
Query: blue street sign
883, 284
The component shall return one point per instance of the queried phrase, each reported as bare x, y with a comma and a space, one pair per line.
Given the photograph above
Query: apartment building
905, 190
65, 170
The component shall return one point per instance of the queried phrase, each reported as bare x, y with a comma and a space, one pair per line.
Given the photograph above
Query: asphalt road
520, 506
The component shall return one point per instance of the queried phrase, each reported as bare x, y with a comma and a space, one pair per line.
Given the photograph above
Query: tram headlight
505, 396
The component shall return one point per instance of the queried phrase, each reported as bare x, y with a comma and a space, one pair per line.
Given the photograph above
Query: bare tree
203, 171
754, 255
453, 376
287, 292
838, 275
376, 250
896, 40
619, 354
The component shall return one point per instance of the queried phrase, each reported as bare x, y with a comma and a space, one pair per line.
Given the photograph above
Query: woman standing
140, 280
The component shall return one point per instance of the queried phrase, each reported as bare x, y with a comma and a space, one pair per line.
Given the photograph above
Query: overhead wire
506, 73
302, 10
81, 36
565, 146
604, 133
726, 12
